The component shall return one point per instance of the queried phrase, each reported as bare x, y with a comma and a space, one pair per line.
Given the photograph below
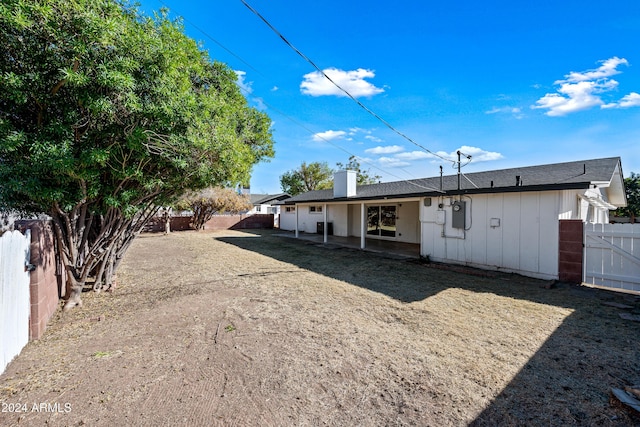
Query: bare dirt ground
252, 329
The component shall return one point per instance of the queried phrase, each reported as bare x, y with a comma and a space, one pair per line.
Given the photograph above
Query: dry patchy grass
234, 328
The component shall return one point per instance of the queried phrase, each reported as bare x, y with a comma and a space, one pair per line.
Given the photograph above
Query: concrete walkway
402, 249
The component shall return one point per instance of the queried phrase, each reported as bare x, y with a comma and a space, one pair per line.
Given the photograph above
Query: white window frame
315, 209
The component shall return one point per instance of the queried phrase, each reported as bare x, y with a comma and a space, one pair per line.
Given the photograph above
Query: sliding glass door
381, 221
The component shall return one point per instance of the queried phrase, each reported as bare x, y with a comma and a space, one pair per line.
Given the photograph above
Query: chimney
344, 183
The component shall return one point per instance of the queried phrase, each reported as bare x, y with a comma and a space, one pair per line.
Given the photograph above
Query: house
266, 203
503, 219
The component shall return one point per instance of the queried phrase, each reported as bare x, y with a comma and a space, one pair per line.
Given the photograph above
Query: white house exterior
505, 219
266, 203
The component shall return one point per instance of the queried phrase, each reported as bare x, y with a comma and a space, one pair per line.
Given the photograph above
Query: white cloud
414, 155
514, 111
572, 97
244, 86
581, 90
353, 131
631, 100
389, 149
392, 162
316, 84
399, 158
477, 154
259, 104
373, 138
247, 89
607, 69
328, 135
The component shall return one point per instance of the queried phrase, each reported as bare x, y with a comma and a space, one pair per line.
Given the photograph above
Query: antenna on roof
468, 156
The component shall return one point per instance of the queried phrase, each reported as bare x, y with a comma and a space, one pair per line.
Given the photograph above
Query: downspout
296, 206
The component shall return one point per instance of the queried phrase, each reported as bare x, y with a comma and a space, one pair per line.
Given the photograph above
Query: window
315, 209
258, 208
290, 209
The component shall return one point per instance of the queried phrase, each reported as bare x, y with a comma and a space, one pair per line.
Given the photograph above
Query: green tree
206, 203
106, 114
308, 177
632, 189
365, 177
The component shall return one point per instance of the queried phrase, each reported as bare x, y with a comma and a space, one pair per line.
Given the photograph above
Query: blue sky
510, 83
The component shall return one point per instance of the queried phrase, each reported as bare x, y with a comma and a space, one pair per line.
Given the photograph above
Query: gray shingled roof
578, 174
264, 199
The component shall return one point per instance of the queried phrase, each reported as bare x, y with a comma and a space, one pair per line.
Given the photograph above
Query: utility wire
347, 151
368, 110
229, 51
247, 93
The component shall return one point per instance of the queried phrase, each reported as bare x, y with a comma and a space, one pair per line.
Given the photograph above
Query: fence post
571, 250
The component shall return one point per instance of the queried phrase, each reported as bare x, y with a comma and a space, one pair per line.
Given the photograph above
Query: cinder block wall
218, 222
46, 285
571, 249
239, 222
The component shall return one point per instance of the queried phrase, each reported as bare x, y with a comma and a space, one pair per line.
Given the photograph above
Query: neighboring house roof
254, 198
267, 199
582, 174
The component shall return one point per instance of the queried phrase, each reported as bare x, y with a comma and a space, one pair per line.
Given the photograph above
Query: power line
294, 120
229, 51
328, 141
313, 64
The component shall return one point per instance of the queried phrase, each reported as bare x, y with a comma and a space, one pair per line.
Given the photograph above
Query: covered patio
401, 249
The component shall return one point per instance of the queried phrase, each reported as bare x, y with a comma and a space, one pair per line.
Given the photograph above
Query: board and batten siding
515, 232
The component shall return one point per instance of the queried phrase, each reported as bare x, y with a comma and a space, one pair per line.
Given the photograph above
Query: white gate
14, 295
612, 256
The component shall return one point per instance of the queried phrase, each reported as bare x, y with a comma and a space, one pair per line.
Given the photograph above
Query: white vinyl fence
14, 295
612, 256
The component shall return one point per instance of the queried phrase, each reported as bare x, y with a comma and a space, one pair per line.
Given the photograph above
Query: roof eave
493, 190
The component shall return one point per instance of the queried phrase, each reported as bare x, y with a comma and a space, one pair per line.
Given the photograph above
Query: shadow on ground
566, 382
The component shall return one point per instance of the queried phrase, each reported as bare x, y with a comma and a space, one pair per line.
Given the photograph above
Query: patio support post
324, 213
363, 226
297, 209
420, 216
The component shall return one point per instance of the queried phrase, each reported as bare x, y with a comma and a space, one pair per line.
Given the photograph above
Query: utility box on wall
458, 214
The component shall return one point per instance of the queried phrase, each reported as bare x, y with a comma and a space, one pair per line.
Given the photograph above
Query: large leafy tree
106, 114
365, 176
632, 188
308, 177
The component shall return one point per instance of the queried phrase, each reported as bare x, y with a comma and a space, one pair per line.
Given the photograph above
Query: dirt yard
254, 329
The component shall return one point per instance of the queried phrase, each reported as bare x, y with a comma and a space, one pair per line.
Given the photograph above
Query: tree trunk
92, 245
166, 216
